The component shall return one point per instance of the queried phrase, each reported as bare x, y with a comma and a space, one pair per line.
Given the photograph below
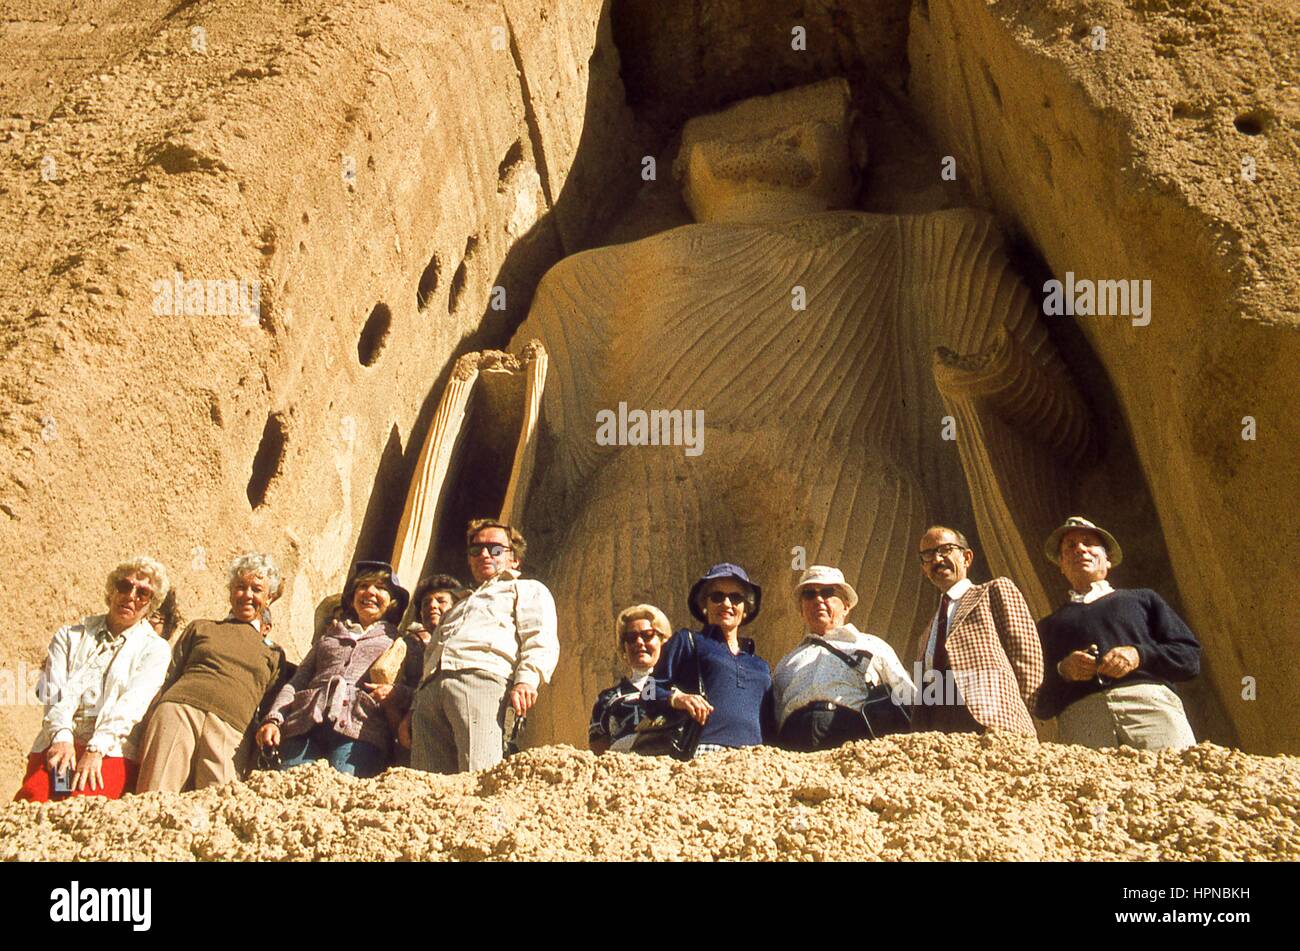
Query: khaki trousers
1143, 716
458, 722
183, 743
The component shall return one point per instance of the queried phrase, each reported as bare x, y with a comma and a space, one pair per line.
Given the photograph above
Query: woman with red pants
100, 676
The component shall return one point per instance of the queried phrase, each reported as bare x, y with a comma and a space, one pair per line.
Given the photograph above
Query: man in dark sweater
1111, 654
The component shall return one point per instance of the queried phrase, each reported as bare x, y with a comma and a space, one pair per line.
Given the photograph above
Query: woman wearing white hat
838, 684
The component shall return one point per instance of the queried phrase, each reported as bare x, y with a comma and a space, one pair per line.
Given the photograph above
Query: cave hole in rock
428, 283
514, 155
268, 460
1250, 123
374, 335
457, 285
462, 273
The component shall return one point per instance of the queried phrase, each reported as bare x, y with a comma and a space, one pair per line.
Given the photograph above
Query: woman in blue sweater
735, 708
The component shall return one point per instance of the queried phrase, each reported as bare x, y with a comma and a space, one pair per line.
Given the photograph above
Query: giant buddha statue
860, 376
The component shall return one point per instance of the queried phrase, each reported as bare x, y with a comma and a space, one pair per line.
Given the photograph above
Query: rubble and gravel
912, 797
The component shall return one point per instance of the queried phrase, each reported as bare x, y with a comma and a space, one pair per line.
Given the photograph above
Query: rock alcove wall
379, 168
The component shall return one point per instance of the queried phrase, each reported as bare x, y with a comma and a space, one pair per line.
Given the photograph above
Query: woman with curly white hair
100, 676
219, 672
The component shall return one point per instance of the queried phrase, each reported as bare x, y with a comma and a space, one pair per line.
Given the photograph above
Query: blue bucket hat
727, 570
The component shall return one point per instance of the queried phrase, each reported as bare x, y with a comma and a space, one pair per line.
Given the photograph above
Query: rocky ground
914, 797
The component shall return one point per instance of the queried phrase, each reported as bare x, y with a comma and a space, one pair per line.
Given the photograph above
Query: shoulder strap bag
882, 715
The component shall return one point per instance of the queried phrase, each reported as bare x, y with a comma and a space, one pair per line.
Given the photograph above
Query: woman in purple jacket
328, 710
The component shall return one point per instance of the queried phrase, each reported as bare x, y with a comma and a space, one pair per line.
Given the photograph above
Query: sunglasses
133, 591
631, 637
494, 550
824, 593
735, 597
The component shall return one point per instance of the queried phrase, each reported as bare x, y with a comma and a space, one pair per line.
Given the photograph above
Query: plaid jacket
995, 654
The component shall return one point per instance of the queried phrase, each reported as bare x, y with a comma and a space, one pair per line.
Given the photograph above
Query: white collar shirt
955, 594
96, 688
811, 673
1098, 589
506, 626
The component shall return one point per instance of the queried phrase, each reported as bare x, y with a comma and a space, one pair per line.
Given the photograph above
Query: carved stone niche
860, 376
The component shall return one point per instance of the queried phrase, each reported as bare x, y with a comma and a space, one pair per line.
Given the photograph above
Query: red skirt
119, 777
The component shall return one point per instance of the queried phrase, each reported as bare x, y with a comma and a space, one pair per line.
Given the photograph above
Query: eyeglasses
735, 597
133, 591
940, 551
494, 550
631, 637
824, 593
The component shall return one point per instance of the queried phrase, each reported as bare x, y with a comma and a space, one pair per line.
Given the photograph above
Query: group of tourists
133, 706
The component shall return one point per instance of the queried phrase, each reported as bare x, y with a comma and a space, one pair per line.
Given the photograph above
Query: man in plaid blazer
978, 663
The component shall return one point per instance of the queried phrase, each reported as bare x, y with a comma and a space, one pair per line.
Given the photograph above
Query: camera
61, 780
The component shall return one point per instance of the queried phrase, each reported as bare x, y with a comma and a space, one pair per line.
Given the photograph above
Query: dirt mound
926, 796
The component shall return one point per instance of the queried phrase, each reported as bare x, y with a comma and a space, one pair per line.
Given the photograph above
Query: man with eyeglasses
979, 664
494, 648
838, 684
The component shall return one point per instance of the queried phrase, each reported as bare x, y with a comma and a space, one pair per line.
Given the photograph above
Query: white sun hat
820, 576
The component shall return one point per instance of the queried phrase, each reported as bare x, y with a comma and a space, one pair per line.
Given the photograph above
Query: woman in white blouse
100, 676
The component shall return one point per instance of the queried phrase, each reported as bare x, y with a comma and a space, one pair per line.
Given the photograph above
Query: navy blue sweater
1167, 649
739, 686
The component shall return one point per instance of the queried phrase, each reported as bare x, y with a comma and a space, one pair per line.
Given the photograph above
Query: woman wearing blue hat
328, 710
735, 708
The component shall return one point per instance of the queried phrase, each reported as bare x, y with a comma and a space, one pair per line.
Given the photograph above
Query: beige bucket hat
824, 576
1052, 547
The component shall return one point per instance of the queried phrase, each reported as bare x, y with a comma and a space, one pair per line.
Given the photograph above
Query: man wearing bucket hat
838, 684
980, 663
735, 708
1112, 653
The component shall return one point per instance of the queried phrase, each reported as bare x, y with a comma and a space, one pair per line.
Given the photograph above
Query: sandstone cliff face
378, 168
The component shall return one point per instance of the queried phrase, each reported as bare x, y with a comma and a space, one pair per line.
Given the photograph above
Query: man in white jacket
828, 690
491, 650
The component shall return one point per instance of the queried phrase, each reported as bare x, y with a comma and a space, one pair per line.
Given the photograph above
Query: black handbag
675, 733
881, 714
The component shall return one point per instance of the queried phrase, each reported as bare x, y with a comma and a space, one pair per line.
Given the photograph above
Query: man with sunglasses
838, 684
99, 677
494, 648
979, 662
